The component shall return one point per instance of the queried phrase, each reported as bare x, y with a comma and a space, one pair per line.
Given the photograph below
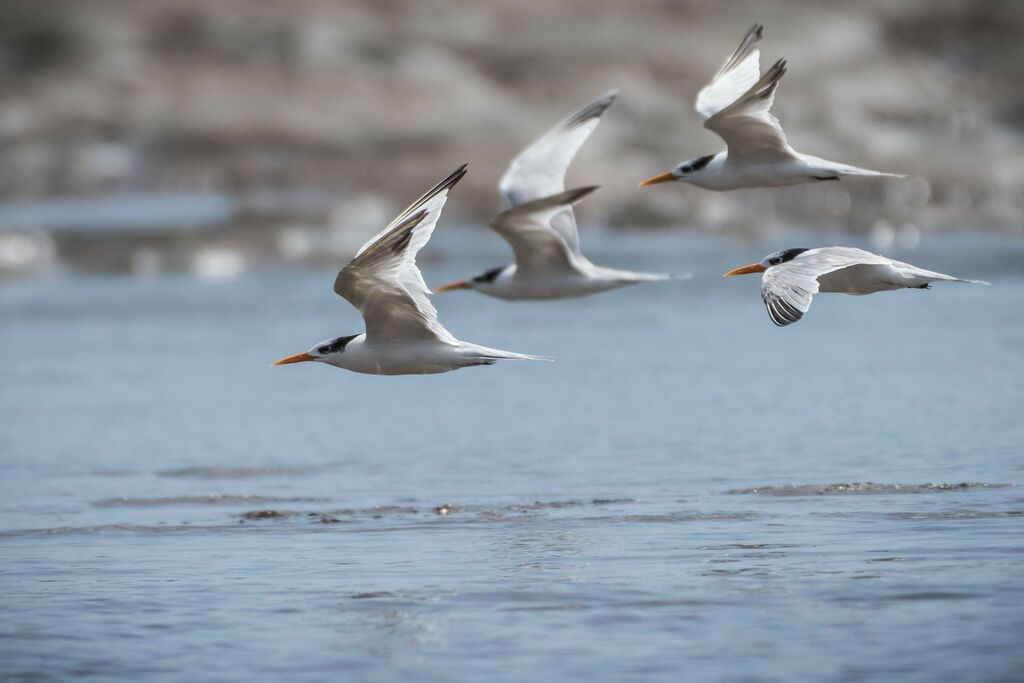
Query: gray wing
385, 284
538, 246
747, 125
539, 170
734, 77
788, 288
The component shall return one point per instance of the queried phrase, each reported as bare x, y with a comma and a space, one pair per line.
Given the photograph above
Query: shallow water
688, 493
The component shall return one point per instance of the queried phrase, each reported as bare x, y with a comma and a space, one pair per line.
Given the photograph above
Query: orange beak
461, 284
663, 178
746, 270
297, 358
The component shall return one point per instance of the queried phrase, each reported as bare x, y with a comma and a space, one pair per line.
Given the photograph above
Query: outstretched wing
385, 284
539, 170
538, 246
747, 125
736, 75
788, 288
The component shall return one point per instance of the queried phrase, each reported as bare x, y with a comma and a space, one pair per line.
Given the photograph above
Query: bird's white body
582, 279
736, 106
788, 167
403, 335
416, 358
540, 226
792, 277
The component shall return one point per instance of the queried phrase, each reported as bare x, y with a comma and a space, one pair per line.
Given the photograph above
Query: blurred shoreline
314, 121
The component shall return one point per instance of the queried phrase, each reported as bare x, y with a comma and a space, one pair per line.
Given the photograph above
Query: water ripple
861, 488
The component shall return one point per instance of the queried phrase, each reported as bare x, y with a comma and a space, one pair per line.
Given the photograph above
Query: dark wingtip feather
746, 46
593, 110
448, 183
574, 195
454, 177
564, 198
770, 80
781, 312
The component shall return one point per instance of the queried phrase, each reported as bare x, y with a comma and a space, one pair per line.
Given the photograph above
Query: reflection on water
687, 491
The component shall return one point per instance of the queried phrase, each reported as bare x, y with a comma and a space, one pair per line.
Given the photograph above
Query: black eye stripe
490, 275
696, 164
702, 162
335, 345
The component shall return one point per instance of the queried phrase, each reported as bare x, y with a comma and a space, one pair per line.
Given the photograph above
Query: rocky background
313, 120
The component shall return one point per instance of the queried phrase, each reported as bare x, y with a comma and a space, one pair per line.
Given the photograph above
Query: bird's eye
775, 261
323, 349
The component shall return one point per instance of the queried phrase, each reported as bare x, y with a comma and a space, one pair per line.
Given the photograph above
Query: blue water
173, 508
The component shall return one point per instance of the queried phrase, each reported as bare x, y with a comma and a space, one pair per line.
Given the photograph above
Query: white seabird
793, 276
736, 105
540, 225
403, 335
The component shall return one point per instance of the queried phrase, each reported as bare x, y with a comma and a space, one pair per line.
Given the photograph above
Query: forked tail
631, 277
847, 169
949, 278
488, 355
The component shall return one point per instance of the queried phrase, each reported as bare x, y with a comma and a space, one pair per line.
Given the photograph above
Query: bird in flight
793, 276
540, 225
403, 335
736, 105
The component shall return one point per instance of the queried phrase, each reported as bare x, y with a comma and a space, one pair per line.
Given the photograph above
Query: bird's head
325, 352
688, 171
767, 262
483, 281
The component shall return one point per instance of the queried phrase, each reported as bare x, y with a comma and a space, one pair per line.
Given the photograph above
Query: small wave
559, 504
373, 595
256, 515
672, 517
491, 513
128, 528
211, 499
236, 472
331, 516
958, 514
860, 488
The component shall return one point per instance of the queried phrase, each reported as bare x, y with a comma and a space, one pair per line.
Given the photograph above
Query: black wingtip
593, 110
770, 79
564, 198
576, 194
746, 46
453, 178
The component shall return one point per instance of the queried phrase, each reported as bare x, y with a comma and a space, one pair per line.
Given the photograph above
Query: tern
793, 276
540, 225
736, 105
403, 335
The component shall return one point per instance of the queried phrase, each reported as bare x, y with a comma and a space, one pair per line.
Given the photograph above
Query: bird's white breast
398, 358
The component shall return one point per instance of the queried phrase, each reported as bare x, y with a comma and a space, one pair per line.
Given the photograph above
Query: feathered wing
539, 170
734, 77
788, 288
747, 125
385, 284
528, 228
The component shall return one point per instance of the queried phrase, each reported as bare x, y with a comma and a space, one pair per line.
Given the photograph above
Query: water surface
688, 492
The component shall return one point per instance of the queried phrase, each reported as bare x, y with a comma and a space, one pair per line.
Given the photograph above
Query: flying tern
403, 335
736, 105
793, 276
540, 225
